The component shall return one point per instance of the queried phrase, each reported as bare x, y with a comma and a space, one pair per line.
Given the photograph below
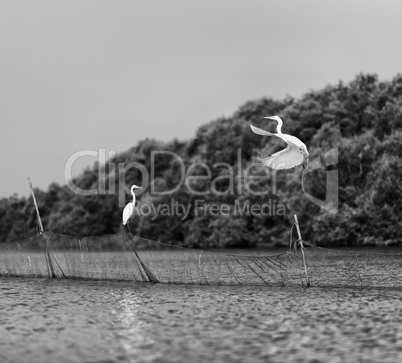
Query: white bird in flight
295, 153
129, 208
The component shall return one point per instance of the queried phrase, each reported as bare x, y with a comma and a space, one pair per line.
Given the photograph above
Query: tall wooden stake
302, 249
41, 230
36, 207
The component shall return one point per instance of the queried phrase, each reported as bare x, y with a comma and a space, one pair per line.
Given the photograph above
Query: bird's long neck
279, 127
133, 194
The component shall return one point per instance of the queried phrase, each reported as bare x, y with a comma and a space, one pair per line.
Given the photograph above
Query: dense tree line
361, 119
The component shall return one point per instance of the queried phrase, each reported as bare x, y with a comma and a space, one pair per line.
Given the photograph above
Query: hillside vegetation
362, 119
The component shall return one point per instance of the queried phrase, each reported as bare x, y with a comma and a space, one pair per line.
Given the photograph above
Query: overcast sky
85, 75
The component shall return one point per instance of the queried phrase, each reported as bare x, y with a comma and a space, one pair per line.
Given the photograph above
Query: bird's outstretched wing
285, 159
262, 132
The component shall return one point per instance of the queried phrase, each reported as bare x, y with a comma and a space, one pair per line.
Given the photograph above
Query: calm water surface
45, 320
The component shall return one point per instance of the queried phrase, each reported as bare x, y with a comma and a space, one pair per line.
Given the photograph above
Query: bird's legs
127, 228
305, 171
305, 168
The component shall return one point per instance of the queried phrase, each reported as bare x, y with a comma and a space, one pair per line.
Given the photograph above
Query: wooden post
41, 230
36, 207
150, 275
302, 249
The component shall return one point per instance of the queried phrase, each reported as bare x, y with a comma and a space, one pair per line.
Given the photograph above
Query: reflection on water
75, 321
133, 333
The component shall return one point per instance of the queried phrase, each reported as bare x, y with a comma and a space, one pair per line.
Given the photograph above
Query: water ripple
76, 321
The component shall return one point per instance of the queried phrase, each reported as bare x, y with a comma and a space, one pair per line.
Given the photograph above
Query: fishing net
25, 258
126, 257
360, 268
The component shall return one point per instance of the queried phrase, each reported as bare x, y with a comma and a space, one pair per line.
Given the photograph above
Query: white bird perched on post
129, 208
127, 213
295, 153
